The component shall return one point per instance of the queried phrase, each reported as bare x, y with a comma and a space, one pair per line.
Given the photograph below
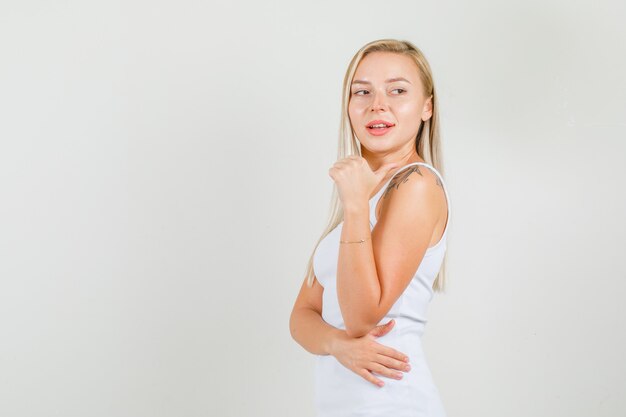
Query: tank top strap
374, 200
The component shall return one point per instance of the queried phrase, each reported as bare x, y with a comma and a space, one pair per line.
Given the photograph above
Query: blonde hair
429, 149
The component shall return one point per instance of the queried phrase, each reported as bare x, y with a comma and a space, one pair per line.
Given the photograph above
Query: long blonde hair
429, 149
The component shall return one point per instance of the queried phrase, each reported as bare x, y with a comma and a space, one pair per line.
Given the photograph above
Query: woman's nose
378, 103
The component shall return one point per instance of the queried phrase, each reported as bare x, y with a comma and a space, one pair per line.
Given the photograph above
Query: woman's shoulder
415, 185
416, 179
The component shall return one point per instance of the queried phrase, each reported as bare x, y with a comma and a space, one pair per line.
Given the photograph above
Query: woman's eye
357, 93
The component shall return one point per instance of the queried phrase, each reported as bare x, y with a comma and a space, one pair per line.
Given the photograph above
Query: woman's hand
363, 355
355, 180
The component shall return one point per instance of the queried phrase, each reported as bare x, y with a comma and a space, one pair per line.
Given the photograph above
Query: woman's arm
306, 324
358, 285
312, 332
372, 275
361, 355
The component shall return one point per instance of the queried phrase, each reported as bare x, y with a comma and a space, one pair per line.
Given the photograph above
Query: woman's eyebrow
391, 80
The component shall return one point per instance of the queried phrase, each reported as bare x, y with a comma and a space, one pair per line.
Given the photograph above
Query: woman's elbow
357, 330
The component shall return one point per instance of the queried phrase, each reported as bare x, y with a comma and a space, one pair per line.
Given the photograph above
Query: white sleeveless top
339, 392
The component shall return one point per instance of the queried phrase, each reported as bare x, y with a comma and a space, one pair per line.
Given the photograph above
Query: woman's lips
379, 131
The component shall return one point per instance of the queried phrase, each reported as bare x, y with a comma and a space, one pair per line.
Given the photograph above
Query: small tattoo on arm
399, 179
404, 177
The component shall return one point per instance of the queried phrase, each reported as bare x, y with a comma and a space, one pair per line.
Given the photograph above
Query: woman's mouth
379, 127
379, 130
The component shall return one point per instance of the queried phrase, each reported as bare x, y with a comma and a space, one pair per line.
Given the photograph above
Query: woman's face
387, 87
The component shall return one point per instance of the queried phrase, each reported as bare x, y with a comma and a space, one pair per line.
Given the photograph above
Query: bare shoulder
411, 185
416, 174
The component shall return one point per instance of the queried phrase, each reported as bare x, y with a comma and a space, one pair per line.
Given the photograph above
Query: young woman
375, 268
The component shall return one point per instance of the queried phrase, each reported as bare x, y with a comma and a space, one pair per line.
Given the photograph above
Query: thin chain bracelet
354, 241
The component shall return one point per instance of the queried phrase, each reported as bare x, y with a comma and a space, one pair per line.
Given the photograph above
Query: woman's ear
427, 112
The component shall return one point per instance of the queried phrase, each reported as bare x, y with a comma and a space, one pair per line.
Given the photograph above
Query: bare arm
306, 324
309, 329
360, 355
372, 275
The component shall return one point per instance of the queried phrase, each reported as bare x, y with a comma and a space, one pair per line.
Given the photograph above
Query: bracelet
354, 241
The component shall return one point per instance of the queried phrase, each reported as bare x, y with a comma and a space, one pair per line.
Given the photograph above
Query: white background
164, 177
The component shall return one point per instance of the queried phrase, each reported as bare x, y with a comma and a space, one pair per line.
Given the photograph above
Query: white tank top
341, 392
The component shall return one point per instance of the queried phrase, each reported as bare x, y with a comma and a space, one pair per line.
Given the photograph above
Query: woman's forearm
309, 329
358, 285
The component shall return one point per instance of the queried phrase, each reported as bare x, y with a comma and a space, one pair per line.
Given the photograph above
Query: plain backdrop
164, 177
